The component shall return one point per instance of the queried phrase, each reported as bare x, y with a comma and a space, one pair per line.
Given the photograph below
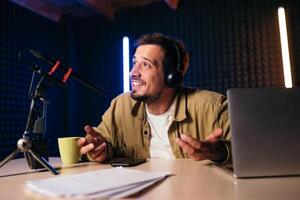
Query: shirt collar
180, 105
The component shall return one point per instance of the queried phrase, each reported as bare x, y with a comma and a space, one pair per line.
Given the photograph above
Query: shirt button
145, 132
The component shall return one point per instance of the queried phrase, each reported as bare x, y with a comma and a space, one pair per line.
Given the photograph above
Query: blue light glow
126, 64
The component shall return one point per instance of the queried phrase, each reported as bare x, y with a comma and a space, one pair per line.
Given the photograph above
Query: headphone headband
178, 57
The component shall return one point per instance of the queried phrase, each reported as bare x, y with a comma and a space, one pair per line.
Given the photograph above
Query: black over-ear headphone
173, 76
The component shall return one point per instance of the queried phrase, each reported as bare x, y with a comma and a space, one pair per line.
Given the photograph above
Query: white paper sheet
106, 183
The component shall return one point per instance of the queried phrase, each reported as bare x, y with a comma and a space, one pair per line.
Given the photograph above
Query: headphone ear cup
174, 80
174, 77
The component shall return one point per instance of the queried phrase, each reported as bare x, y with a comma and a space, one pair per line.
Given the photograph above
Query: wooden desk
191, 180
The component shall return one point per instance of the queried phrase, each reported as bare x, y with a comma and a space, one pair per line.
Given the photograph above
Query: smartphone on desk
127, 162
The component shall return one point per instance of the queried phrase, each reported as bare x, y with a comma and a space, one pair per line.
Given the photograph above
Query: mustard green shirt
197, 113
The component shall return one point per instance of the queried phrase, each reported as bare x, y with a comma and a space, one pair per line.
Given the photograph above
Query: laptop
265, 129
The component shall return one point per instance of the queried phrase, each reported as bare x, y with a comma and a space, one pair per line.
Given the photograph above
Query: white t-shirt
159, 142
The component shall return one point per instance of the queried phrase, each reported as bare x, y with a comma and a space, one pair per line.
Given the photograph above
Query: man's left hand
211, 148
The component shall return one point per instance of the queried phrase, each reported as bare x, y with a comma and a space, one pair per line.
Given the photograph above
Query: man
160, 117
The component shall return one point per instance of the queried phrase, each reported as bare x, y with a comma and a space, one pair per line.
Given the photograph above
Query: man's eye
146, 64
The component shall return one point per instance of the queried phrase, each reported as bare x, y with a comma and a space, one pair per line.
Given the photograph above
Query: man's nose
135, 70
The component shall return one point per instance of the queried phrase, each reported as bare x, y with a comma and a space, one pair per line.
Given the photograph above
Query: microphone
70, 73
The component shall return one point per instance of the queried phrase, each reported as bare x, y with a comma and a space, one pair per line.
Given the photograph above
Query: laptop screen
265, 128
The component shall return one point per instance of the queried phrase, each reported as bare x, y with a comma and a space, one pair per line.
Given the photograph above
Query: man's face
147, 77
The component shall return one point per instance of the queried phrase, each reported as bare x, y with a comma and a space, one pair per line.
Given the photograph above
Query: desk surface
191, 180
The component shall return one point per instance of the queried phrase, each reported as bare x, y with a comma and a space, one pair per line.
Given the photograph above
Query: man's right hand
93, 144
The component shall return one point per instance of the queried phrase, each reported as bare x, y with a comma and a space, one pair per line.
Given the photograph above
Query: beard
145, 98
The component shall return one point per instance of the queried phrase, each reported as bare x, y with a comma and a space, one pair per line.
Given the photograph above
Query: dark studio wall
232, 43
97, 55
22, 29
293, 20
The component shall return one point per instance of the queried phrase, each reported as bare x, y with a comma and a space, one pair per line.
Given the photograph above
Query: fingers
93, 136
93, 144
90, 131
190, 146
96, 153
196, 150
87, 148
187, 148
81, 142
215, 135
99, 153
191, 141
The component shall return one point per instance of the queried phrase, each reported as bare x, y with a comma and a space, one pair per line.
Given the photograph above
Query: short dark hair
171, 47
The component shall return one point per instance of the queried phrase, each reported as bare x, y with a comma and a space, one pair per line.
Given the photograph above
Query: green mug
68, 149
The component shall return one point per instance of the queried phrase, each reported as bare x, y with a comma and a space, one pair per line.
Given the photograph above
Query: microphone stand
32, 144
35, 127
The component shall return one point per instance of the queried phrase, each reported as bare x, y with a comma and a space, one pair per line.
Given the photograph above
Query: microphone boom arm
73, 74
